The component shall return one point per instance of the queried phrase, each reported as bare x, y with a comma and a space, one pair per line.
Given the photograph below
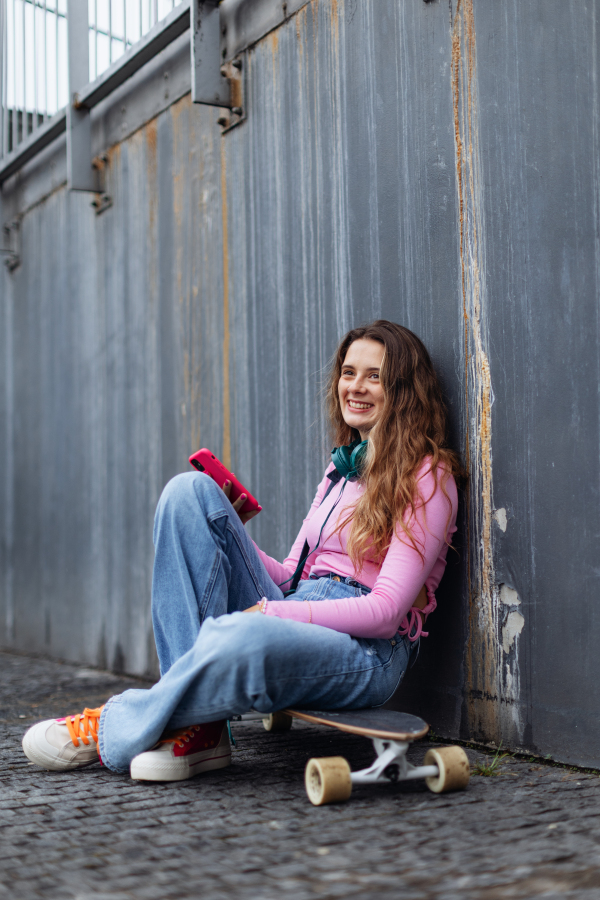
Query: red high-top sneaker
185, 753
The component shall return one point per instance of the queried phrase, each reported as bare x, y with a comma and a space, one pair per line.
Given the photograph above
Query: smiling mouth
354, 404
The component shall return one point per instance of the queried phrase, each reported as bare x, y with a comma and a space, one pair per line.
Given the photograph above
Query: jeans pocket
382, 649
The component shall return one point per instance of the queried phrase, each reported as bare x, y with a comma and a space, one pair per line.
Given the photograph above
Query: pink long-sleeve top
394, 584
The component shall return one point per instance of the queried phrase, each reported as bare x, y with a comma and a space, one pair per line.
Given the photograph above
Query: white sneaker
185, 753
60, 744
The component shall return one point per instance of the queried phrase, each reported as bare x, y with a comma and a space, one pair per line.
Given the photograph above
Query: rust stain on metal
179, 187
150, 136
151, 169
334, 13
226, 336
113, 155
483, 659
301, 28
273, 41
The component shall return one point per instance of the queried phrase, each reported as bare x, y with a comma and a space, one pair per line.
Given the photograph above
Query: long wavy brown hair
411, 429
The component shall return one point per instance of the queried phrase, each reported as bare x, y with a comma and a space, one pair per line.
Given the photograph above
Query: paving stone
249, 832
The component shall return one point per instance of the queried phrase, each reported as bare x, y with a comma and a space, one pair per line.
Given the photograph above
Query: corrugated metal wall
436, 164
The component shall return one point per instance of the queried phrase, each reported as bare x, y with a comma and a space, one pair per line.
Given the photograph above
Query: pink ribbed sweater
395, 583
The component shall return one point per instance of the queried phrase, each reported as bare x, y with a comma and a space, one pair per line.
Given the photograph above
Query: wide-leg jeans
217, 661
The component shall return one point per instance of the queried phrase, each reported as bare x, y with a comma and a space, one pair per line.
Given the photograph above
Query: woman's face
359, 387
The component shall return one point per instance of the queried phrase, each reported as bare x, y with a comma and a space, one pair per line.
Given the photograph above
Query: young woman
370, 554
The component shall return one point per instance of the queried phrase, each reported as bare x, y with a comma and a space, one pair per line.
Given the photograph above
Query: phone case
207, 462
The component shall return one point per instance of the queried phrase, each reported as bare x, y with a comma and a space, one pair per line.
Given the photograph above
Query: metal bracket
213, 83
102, 200
234, 73
12, 239
208, 85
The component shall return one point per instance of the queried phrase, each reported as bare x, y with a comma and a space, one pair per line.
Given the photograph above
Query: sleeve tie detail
412, 623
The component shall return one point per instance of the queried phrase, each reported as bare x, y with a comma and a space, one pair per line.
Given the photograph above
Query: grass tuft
489, 769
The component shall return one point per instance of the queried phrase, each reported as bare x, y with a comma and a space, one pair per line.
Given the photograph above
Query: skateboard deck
329, 779
373, 723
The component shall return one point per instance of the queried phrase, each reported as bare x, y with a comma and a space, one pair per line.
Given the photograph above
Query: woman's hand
245, 517
255, 608
421, 602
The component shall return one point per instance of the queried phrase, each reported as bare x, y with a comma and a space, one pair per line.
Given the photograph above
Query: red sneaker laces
182, 736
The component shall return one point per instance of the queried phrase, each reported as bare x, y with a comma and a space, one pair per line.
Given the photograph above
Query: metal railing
33, 55
115, 25
34, 76
29, 123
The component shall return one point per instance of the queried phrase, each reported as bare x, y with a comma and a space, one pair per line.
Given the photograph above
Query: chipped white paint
508, 596
511, 721
511, 629
500, 518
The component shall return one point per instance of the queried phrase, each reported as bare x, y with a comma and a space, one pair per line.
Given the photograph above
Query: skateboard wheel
278, 721
453, 769
327, 780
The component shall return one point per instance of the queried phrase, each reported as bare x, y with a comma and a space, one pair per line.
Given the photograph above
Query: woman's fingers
240, 502
237, 504
245, 517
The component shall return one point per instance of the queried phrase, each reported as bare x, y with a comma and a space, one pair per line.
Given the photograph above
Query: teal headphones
350, 460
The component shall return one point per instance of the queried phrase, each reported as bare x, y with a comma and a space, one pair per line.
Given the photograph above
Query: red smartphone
207, 462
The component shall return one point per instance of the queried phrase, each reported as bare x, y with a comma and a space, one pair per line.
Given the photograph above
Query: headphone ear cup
341, 460
356, 456
348, 460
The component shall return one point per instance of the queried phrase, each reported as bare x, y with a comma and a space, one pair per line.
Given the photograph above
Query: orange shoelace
180, 737
84, 725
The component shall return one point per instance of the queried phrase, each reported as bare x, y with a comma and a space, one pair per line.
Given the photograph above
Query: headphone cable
300, 567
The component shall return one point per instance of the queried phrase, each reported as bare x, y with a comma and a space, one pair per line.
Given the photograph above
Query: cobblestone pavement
249, 831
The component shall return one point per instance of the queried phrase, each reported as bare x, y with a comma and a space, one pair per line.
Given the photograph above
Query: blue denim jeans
215, 660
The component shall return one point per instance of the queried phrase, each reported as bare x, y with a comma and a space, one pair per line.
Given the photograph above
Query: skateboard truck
392, 765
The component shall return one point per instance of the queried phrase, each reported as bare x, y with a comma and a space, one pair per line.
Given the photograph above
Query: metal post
23, 53
2, 78
35, 69
80, 174
45, 67
14, 112
208, 85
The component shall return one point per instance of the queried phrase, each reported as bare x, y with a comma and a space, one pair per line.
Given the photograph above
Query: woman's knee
188, 486
242, 636
185, 492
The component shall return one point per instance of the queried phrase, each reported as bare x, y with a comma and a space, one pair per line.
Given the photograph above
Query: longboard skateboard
329, 779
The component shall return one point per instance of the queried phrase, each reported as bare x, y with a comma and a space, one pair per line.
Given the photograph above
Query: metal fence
115, 25
34, 71
33, 54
